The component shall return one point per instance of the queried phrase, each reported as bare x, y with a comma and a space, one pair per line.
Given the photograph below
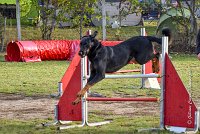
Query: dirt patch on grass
14, 106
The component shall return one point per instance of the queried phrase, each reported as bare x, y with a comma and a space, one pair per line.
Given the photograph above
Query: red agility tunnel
30, 51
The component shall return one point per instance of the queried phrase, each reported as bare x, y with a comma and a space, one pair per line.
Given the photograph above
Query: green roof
7, 1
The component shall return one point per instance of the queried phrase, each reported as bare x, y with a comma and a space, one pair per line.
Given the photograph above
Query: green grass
24, 127
34, 33
31, 78
119, 125
188, 69
40, 78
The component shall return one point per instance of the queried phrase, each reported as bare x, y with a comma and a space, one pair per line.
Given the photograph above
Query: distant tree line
80, 13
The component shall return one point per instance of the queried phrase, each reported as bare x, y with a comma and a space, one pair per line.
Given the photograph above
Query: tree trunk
47, 16
193, 24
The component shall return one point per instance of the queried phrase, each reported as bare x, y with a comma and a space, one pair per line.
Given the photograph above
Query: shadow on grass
2, 58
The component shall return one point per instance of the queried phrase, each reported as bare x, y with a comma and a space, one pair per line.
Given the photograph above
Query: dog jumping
108, 59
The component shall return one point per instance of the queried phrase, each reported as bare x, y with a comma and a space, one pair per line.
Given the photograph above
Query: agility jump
174, 108
145, 69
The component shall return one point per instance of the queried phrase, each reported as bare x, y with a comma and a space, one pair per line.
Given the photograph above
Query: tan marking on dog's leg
81, 93
78, 99
84, 90
155, 65
133, 61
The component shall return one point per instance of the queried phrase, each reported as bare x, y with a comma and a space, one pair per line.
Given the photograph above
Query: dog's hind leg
155, 63
90, 83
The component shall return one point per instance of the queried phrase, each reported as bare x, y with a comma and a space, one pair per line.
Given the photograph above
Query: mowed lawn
41, 79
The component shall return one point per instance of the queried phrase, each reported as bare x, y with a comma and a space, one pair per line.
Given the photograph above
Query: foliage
174, 16
32, 16
72, 11
82, 12
48, 18
77, 13
25, 6
127, 7
183, 24
8, 2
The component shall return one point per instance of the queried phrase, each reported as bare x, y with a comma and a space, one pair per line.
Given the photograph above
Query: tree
76, 12
192, 28
193, 20
127, 7
48, 17
187, 25
2, 30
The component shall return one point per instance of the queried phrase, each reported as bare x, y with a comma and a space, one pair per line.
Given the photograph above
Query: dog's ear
94, 34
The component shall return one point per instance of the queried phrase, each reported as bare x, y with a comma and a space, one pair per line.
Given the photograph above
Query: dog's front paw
80, 94
76, 101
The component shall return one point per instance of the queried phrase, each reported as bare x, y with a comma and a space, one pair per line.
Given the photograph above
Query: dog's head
155, 63
86, 44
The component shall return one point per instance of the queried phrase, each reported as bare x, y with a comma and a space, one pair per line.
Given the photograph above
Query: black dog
108, 59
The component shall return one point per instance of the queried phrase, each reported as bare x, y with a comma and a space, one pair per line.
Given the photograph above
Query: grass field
39, 80
34, 33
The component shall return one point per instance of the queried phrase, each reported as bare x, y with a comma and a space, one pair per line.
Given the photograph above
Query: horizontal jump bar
126, 71
133, 76
122, 99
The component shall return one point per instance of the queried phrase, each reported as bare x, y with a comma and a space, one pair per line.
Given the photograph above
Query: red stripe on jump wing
122, 99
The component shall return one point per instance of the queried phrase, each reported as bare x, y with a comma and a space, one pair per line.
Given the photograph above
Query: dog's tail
165, 32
